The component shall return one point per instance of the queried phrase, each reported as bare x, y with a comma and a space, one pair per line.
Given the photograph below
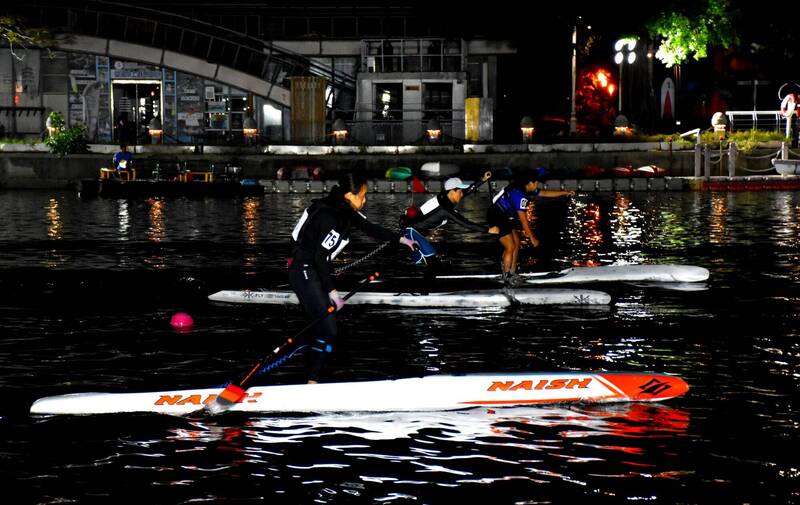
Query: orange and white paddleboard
433, 392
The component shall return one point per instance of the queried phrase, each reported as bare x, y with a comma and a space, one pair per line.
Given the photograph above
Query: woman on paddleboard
318, 237
509, 212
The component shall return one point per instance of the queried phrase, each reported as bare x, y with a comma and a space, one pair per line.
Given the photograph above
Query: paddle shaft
486, 176
476, 185
236, 390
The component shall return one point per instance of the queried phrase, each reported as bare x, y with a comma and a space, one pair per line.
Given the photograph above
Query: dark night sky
537, 81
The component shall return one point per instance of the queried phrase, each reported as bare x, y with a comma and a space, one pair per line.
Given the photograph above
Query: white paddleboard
477, 298
607, 273
434, 392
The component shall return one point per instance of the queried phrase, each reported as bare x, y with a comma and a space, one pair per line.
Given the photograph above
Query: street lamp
339, 131
526, 126
573, 120
622, 127
433, 129
249, 129
719, 121
625, 52
155, 129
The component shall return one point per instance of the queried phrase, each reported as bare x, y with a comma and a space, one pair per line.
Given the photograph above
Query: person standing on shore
509, 212
322, 232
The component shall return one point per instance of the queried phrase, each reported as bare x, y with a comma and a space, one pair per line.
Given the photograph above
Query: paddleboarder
318, 237
435, 213
509, 212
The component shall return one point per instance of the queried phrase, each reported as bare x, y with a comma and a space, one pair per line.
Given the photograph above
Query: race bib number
523, 204
329, 242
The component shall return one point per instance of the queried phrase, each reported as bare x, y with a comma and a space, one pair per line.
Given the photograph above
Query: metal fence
769, 120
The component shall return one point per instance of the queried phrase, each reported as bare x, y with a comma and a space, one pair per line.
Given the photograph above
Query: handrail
259, 44
754, 115
267, 61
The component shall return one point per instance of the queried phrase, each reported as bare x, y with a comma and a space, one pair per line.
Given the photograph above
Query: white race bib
330, 240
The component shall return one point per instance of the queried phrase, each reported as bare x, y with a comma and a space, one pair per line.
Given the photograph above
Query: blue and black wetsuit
322, 232
505, 205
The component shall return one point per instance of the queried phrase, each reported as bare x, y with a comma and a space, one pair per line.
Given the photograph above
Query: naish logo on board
528, 385
200, 399
654, 387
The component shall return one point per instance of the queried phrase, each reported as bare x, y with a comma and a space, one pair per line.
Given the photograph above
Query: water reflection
55, 257
156, 209
156, 231
54, 220
251, 210
585, 228
717, 219
250, 219
787, 212
626, 233
124, 224
564, 431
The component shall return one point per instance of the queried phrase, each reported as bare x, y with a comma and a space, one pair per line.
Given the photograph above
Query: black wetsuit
321, 233
436, 212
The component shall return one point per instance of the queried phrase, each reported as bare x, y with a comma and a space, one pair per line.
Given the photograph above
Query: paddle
236, 390
500, 172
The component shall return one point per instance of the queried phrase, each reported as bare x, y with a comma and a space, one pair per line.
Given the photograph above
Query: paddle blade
229, 397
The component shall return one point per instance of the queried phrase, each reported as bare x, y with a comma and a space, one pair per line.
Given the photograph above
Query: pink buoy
181, 321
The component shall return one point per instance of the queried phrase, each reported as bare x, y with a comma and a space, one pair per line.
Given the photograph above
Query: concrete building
119, 73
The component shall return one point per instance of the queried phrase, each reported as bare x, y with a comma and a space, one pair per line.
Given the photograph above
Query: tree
687, 35
14, 32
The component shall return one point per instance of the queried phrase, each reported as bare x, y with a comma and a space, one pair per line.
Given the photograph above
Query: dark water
87, 289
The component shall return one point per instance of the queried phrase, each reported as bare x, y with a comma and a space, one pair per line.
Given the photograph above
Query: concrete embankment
564, 162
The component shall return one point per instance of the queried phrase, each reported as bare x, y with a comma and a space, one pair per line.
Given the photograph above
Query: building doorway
134, 104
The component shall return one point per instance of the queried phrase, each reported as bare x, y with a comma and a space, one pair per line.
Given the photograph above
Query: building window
388, 101
437, 100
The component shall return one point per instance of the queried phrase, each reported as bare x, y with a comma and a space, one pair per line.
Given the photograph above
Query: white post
573, 120
698, 157
732, 155
784, 151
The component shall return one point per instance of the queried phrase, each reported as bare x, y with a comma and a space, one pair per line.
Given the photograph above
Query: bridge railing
161, 30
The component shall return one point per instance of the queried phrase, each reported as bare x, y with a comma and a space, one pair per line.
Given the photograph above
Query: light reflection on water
157, 230
734, 340
54, 218
575, 434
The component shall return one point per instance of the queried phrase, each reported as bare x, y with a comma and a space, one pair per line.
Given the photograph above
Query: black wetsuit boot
433, 268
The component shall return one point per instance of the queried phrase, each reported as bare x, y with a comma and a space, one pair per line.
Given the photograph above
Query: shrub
745, 141
55, 121
68, 141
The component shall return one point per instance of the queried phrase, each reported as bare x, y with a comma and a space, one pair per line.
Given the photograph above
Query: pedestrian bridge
175, 61
176, 42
